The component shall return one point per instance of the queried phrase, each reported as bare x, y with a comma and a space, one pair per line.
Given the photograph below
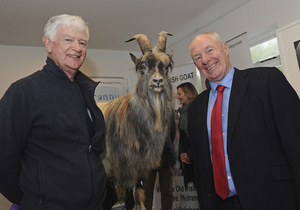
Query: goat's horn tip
164, 33
129, 40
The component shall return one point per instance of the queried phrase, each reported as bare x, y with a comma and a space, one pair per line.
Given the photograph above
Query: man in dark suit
260, 133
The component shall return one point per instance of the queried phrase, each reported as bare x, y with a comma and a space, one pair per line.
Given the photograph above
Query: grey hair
212, 34
65, 20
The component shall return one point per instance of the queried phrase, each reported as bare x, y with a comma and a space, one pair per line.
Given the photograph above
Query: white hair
65, 20
212, 34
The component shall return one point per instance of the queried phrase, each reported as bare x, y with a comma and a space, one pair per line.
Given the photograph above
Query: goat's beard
157, 89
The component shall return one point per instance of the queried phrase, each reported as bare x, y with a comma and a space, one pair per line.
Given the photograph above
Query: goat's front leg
139, 196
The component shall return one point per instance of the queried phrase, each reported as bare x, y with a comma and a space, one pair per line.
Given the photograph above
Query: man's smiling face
211, 57
68, 50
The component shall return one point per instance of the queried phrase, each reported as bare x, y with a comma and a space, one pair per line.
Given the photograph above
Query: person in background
186, 93
245, 132
52, 131
166, 175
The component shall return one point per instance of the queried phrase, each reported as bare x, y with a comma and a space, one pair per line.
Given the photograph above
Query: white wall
252, 17
18, 62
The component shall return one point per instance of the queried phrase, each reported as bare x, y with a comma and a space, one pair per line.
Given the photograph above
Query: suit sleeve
192, 122
190, 153
286, 109
14, 128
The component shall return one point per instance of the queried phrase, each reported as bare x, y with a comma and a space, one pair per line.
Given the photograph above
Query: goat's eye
143, 68
166, 70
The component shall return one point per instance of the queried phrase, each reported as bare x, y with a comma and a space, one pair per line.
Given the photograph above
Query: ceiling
111, 22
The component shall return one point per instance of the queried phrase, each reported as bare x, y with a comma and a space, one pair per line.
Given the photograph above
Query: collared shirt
227, 82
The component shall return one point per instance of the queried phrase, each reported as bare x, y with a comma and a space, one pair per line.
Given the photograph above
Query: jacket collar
81, 79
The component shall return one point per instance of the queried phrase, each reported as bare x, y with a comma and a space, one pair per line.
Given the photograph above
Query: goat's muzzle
157, 85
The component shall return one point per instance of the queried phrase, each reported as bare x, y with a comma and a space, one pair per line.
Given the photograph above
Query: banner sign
184, 197
109, 88
182, 74
239, 52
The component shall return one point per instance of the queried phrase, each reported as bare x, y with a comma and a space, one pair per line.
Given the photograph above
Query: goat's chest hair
157, 106
134, 138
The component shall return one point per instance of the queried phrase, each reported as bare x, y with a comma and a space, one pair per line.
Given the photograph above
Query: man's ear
226, 48
47, 43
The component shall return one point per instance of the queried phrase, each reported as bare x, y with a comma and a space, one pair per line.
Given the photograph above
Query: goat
137, 124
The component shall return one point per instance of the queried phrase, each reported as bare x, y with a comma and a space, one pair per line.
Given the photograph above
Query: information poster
109, 88
239, 52
184, 197
182, 74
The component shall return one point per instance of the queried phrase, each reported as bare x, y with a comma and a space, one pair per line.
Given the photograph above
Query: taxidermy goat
137, 124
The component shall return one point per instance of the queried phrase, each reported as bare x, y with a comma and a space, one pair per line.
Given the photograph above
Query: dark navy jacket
263, 142
48, 159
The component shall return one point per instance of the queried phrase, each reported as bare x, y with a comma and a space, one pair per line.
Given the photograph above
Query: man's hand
184, 158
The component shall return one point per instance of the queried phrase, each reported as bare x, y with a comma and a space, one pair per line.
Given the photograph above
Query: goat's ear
133, 58
170, 56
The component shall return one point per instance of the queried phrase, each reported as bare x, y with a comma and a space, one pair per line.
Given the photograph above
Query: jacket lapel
239, 87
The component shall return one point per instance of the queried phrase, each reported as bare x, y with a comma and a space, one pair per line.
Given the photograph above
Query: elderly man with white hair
52, 131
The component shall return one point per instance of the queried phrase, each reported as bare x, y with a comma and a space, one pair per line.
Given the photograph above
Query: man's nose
77, 46
205, 58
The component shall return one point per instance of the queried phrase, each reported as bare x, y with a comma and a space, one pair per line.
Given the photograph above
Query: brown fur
137, 124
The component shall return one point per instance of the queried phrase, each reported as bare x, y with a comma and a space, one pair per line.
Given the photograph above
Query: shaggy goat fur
137, 124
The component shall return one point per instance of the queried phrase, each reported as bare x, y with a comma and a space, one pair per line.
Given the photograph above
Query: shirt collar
227, 81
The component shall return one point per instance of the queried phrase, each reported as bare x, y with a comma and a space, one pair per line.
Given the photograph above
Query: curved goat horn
143, 42
162, 41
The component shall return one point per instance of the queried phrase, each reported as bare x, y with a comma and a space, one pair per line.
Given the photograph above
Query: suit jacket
263, 142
